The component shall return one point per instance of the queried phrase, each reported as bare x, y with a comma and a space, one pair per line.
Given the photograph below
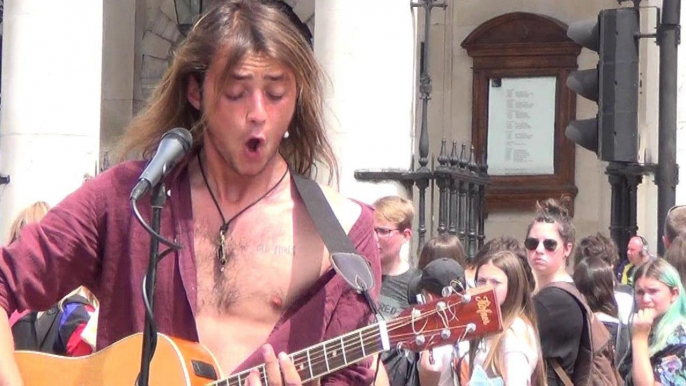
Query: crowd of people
568, 317
253, 280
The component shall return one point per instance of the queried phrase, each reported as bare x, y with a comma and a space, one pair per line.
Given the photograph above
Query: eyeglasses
384, 232
531, 244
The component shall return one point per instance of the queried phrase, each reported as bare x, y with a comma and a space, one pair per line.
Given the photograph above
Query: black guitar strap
344, 258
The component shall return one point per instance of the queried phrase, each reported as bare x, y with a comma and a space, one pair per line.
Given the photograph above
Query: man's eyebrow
275, 77
238, 76
270, 77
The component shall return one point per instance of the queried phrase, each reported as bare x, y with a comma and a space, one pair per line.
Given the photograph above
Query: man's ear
194, 94
407, 233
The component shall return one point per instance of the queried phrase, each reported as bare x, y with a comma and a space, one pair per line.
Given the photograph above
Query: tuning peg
420, 340
445, 334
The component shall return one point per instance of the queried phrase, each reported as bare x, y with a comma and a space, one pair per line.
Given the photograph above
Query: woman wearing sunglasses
659, 328
549, 243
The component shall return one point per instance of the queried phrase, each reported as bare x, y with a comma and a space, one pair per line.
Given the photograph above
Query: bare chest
273, 255
261, 261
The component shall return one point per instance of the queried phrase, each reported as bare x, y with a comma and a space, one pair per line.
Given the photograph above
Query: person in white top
514, 354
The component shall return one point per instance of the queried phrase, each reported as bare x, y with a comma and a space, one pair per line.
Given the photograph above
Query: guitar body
181, 363
176, 362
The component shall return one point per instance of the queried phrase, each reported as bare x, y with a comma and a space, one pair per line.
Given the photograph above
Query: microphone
175, 144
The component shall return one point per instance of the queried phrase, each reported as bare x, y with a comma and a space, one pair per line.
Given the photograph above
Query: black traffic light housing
613, 134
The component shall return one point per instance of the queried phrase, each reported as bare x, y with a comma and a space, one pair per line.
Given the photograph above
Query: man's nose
257, 112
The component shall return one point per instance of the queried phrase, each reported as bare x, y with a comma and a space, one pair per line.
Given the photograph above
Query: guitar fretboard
326, 357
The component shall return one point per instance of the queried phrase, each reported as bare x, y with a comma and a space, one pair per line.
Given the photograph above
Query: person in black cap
441, 273
435, 364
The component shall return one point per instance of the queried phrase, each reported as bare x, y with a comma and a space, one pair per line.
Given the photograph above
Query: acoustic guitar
178, 362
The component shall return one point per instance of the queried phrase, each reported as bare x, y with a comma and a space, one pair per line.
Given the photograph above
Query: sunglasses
531, 244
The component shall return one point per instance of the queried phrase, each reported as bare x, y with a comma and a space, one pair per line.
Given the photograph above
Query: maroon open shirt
92, 238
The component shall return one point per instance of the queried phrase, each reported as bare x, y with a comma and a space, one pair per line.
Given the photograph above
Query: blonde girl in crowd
31, 214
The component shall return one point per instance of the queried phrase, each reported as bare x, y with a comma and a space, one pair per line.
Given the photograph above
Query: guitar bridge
204, 370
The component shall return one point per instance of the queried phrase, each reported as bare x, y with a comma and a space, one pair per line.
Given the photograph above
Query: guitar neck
326, 357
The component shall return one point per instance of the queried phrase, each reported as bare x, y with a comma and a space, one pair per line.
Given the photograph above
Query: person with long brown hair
253, 277
594, 278
676, 256
675, 224
445, 245
514, 354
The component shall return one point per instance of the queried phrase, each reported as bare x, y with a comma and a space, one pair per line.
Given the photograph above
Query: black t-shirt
392, 301
560, 325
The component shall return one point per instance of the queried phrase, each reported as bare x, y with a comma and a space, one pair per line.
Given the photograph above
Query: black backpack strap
345, 259
24, 332
47, 327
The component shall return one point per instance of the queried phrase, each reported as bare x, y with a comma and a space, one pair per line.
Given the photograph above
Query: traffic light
613, 134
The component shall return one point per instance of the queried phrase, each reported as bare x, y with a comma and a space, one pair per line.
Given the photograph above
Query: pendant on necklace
221, 251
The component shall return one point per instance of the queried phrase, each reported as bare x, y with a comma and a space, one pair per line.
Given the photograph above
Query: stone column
51, 100
367, 51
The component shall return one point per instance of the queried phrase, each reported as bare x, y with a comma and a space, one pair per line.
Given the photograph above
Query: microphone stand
158, 199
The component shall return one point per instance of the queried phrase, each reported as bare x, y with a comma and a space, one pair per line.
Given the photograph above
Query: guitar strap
354, 268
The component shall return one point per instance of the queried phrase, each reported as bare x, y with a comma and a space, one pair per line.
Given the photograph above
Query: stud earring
286, 135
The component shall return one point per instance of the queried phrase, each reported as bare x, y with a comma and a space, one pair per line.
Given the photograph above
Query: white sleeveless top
519, 350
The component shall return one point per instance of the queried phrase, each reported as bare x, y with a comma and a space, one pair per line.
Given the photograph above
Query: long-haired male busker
246, 84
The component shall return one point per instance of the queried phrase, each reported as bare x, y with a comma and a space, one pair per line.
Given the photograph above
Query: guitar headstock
446, 320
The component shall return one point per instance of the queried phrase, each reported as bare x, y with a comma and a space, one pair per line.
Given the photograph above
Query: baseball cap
441, 273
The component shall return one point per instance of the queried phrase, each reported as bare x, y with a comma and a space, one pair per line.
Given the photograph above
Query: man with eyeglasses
393, 226
675, 224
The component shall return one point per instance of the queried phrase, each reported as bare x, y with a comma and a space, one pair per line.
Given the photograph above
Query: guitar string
320, 360
370, 333
300, 359
241, 377
334, 345
317, 362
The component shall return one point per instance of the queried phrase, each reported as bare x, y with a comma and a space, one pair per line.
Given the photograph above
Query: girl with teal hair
659, 327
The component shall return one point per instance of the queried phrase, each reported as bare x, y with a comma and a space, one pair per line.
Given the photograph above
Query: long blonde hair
33, 213
518, 304
233, 29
